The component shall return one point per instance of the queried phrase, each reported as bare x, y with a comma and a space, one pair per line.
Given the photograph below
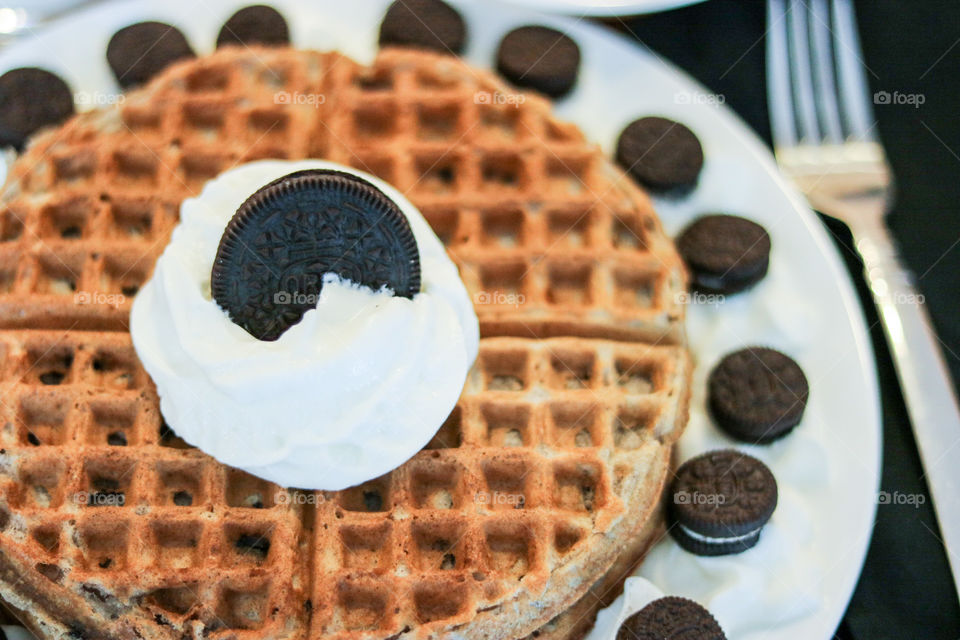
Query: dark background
913, 46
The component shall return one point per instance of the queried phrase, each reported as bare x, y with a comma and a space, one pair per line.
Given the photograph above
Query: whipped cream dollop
352, 391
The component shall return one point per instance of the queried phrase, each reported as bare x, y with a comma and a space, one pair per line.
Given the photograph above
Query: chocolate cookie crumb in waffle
556, 453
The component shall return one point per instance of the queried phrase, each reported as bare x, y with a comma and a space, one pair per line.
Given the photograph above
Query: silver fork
825, 140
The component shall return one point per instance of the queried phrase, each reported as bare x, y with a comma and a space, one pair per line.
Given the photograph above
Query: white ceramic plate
800, 578
603, 7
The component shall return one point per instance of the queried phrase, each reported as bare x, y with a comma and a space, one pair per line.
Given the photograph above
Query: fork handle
924, 378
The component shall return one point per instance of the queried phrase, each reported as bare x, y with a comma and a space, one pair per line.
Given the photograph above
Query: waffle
554, 456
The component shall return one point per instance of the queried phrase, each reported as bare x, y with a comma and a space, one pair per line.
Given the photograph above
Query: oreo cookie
757, 394
539, 58
662, 155
256, 24
425, 24
31, 99
725, 254
139, 52
671, 617
276, 250
720, 501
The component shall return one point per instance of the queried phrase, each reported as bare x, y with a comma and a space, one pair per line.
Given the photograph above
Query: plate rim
603, 8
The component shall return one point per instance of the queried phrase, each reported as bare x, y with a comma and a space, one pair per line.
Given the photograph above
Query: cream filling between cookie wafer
356, 388
708, 540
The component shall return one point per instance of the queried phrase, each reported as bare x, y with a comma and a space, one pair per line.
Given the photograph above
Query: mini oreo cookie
426, 24
141, 51
725, 254
671, 617
720, 501
661, 154
287, 236
31, 99
757, 394
256, 24
539, 58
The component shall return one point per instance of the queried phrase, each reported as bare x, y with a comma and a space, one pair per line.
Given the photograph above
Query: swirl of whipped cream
353, 390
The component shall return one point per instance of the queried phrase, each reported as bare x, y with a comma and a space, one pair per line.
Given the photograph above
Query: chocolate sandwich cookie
256, 24
425, 24
719, 502
662, 155
757, 394
31, 99
539, 58
669, 618
286, 237
725, 254
141, 51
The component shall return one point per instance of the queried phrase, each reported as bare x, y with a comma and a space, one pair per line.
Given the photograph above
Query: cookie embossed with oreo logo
757, 394
720, 501
276, 250
671, 618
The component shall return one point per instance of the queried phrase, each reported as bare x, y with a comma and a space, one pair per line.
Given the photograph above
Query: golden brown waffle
555, 455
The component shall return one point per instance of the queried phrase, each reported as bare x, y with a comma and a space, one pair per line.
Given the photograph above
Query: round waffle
547, 473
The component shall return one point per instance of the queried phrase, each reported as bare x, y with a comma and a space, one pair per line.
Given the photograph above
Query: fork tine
801, 73
782, 123
826, 97
854, 92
